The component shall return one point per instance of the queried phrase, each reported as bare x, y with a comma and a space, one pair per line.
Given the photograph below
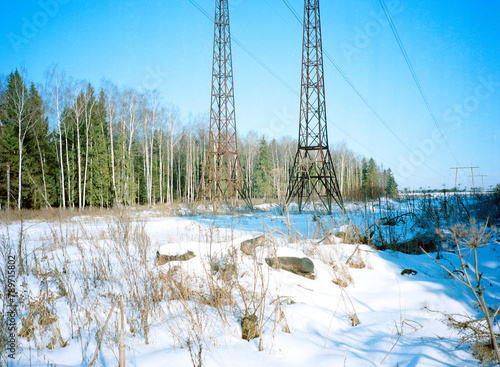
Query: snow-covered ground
79, 268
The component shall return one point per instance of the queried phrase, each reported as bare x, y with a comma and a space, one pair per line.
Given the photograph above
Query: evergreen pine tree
99, 178
370, 181
8, 147
392, 186
262, 180
68, 151
16, 124
37, 188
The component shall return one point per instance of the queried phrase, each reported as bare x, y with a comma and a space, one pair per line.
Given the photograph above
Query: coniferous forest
71, 144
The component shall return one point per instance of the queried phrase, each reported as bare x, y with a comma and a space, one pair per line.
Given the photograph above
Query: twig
390, 351
96, 353
350, 257
121, 362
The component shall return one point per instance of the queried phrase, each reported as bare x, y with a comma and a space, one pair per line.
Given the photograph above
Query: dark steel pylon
222, 176
313, 175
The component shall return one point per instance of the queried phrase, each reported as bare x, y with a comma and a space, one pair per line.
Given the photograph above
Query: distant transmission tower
313, 176
222, 176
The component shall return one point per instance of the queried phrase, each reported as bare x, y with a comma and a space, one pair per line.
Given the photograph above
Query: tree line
66, 144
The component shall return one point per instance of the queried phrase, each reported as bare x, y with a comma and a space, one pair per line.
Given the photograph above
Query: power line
204, 12
290, 88
357, 91
296, 15
278, 14
261, 63
364, 146
250, 53
351, 84
365, 101
414, 75
293, 11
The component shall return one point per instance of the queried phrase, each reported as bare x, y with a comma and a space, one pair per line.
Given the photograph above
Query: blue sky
453, 46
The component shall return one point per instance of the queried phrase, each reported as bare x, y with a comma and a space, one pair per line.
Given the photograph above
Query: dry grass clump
176, 282
356, 260
339, 267
199, 303
354, 235
190, 321
474, 334
484, 352
144, 289
40, 323
224, 267
221, 282
341, 276
357, 263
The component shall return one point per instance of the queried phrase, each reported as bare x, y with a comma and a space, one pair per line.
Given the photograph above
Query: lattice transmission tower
313, 176
222, 175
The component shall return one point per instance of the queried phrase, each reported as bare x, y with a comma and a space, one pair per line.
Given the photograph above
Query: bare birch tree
55, 99
89, 101
18, 102
131, 102
111, 94
78, 117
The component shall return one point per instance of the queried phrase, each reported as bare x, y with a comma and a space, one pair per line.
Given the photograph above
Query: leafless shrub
468, 238
252, 288
221, 282
189, 319
144, 290
354, 235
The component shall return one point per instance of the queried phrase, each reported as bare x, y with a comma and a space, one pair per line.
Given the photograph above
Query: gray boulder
163, 259
248, 247
300, 266
250, 327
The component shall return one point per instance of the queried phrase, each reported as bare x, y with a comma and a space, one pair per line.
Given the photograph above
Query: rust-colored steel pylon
313, 175
222, 176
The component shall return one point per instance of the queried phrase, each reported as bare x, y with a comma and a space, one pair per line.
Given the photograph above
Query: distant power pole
222, 176
482, 179
472, 174
313, 174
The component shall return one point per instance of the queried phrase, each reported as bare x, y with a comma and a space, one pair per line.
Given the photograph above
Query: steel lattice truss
222, 176
313, 175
